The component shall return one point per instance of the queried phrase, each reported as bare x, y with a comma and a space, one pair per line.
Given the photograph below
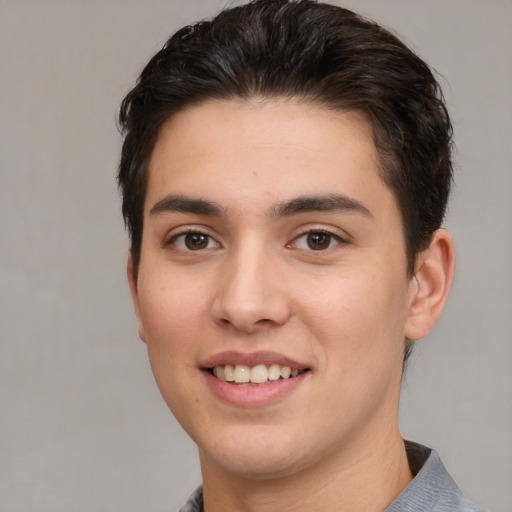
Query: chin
252, 455
254, 464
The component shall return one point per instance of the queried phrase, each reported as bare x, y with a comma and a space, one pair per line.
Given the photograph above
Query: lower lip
256, 395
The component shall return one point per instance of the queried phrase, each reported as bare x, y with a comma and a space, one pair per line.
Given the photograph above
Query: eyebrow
320, 203
184, 204
301, 204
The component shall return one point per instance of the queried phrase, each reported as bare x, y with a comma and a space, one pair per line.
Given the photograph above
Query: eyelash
333, 240
172, 241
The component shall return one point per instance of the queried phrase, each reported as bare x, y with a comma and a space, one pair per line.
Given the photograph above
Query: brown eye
318, 241
193, 241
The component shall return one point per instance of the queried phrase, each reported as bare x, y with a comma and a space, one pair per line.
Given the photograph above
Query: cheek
171, 315
171, 308
357, 313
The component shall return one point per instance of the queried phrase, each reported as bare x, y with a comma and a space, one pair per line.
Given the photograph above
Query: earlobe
431, 284
132, 281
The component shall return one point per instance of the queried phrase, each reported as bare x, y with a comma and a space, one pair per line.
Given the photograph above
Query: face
273, 253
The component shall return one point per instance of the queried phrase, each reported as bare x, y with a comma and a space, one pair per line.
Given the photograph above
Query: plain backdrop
82, 425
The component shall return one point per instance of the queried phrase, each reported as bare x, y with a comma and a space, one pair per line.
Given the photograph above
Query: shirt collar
432, 488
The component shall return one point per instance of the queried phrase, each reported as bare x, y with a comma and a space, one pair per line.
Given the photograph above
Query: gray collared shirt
431, 490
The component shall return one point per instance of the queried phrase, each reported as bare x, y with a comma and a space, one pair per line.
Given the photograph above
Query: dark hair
316, 52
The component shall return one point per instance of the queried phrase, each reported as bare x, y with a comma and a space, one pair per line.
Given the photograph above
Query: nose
251, 292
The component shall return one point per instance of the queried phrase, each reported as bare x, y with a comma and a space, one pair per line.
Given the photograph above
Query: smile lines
259, 374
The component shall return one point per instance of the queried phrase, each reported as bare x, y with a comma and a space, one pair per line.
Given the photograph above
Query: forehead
272, 150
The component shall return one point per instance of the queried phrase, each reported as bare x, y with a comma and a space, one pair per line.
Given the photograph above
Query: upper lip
233, 357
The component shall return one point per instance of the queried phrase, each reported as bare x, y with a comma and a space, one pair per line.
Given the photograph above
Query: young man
285, 173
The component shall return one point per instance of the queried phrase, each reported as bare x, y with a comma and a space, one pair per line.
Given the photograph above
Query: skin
256, 285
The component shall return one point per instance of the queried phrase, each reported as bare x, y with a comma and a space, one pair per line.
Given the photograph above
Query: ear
430, 285
132, 281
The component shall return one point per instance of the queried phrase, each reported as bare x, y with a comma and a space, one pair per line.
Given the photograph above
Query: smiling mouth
254, 375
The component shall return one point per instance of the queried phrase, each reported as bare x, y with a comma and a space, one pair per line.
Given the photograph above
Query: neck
365, 478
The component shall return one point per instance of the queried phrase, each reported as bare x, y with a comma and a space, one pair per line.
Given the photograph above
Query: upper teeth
257, 374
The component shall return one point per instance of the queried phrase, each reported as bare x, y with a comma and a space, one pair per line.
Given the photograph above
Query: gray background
82, 426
